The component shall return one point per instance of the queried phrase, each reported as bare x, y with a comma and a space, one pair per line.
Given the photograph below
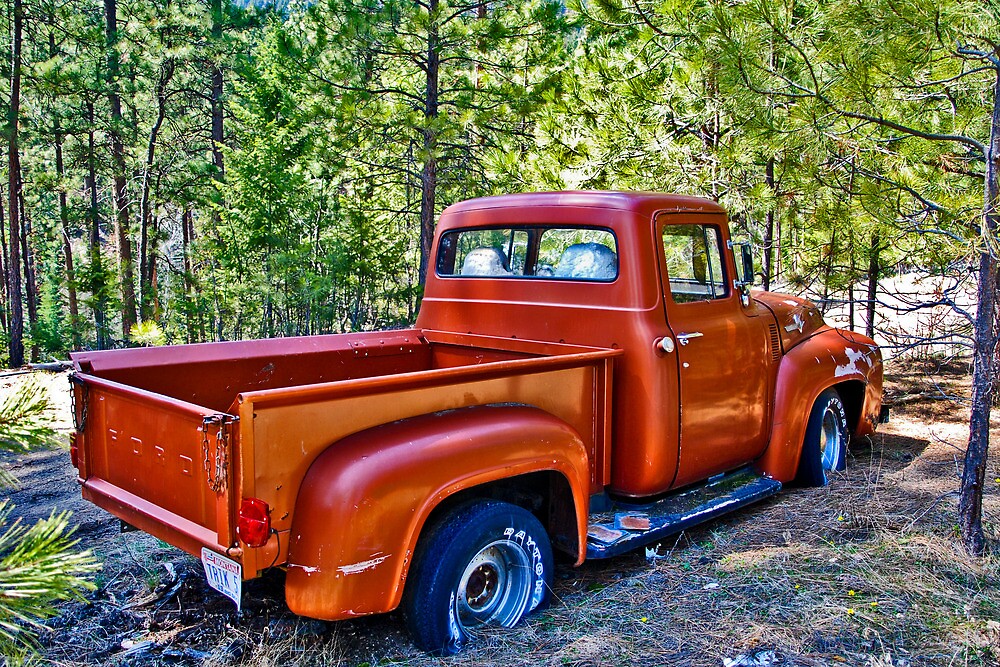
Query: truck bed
172, 439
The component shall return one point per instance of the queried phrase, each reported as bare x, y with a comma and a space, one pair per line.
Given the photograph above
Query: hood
797, 318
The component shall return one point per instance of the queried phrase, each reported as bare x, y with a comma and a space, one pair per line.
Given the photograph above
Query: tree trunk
153, 273
4, 311
218, 134
852, 275
28, 259
97, 287
147, 254
57, 133
15, 346
850, 299
831, 252
874, 273
218, 129
429, 175
970, 503
186, 234
122, 215
216, 97
769, 227
74, 307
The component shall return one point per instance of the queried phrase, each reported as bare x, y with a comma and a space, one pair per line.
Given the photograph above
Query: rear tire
825, 446
484, 564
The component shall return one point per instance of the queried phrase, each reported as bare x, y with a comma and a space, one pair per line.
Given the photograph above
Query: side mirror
747, 277
744, 267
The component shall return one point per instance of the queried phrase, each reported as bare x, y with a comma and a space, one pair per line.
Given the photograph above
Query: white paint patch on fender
851, 368
363, 565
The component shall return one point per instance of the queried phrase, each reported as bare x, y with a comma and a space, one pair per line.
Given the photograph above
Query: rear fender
365, 499
830, 358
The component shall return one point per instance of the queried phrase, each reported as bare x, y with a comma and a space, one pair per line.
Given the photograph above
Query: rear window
554, 253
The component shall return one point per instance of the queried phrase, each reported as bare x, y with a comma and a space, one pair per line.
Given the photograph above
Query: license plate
224, 575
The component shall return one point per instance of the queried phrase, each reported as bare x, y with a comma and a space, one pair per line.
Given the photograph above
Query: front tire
484, 564
825, 446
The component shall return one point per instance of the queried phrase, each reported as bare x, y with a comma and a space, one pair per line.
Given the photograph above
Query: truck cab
655, 276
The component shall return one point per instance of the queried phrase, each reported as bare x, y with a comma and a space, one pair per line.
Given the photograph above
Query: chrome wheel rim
495, 587
831, 438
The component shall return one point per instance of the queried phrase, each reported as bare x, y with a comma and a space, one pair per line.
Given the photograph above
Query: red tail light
254, 524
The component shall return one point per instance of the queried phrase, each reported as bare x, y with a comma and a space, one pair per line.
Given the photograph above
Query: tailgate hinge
217, 472
79, 409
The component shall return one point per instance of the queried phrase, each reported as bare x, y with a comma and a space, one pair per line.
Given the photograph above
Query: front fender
365, 499
831, 357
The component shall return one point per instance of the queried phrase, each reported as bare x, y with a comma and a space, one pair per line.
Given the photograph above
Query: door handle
685, 338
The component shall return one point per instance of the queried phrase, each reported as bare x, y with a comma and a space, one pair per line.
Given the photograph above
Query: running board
626, 526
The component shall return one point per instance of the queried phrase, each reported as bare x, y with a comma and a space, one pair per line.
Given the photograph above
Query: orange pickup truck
589, 372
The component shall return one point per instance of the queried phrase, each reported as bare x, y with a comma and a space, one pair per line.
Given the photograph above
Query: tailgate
160, 464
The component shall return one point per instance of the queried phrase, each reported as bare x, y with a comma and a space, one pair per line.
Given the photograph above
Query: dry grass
864, 572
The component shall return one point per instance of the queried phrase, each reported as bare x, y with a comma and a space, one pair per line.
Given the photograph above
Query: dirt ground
866, 571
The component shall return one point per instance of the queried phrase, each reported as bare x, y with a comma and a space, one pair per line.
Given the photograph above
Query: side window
694, 263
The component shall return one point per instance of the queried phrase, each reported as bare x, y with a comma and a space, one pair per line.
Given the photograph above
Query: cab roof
638, 202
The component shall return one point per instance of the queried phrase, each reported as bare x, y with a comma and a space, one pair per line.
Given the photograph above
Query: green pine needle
38, 567
26, 420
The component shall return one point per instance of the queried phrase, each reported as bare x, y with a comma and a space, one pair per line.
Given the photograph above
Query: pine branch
816, 92
25, 420
38, 567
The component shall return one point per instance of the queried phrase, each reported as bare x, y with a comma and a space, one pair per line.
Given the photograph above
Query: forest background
195, 170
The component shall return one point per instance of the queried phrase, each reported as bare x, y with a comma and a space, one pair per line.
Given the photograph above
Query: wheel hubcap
481, 591
495, 586
831, 438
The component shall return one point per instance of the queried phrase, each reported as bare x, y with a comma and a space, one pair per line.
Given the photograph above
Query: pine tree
925, 94
420, 93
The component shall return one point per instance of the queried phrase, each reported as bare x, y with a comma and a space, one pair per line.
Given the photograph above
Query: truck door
722, 348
